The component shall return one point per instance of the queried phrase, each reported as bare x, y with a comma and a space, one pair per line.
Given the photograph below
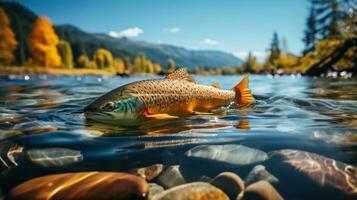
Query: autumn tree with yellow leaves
43, 43
7, 40
103, 58
65, 52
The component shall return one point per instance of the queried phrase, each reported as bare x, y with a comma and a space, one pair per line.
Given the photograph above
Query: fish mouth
97, 115
107, 118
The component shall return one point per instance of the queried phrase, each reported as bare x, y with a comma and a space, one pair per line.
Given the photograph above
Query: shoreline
24, 70
6, 71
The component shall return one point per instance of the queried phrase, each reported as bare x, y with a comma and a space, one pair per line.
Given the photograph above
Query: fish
174, 96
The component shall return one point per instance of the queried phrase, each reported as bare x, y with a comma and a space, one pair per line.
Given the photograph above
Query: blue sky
234, 26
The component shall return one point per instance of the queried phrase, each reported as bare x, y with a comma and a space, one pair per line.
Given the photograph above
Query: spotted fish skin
176, 94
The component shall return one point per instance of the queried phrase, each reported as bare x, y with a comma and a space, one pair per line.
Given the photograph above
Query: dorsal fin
216, 85
180, 74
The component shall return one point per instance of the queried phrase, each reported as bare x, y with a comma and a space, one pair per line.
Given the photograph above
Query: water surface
43, 117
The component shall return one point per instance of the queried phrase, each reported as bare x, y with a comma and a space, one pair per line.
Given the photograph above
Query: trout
175, 95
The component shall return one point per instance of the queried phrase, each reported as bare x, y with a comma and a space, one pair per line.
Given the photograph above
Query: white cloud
130, 32
209, 41
260, 55
174, 29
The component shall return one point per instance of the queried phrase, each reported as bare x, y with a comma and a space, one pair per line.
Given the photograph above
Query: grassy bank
36, 70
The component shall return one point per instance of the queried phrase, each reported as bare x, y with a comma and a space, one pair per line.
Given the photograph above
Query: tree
170, 65
149, 68
328, 16
284, 45
103, 58
274, 48
140, 63
119, 65
43, 43
65, 51
83, 61
127, 63
251, 65
310, 37
7, 40
157, 68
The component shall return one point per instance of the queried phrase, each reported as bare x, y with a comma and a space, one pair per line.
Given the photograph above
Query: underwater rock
154, 189
261, 190
232, 154
192, 191
333, 178
259, 173
171, 177
54, 157
83, 185
150, 172
230, 183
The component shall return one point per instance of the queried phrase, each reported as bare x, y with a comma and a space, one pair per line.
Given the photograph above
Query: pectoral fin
161, 116
243, 124
201, 113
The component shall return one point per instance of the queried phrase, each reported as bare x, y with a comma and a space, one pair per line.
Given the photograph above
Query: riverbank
36, 70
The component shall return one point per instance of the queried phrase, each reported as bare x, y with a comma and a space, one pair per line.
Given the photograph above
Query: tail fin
243, 95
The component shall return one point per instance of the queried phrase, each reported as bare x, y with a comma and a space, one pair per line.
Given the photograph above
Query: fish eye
109, 106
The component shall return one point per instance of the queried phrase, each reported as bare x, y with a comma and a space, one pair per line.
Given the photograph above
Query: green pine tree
274, 48
310, 37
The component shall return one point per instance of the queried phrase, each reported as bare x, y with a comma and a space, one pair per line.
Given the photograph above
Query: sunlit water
291, 112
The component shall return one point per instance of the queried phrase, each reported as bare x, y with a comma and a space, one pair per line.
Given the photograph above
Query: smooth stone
259, 173
232, 154
154, 189
334, 178
150, 172
261, 190
83, 185
54, 157
192, 191
171, 177
230, 183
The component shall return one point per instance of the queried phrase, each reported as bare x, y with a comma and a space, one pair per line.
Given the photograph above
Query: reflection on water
43, 129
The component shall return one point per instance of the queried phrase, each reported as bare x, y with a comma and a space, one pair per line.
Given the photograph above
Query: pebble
230, 183
82, 185
150, 172
259, 173
154, 189
192, 191
232, 154
261, 190
171, 177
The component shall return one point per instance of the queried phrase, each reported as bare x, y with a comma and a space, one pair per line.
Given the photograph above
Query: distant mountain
85, 42
156, 52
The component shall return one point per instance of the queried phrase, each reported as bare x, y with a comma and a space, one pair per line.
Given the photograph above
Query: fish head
114, 109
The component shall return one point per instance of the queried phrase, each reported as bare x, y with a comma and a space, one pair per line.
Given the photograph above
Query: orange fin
216, 85
243, 124
243, 95
180, 74
201, 113
161, 116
